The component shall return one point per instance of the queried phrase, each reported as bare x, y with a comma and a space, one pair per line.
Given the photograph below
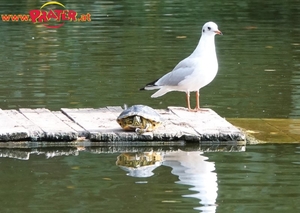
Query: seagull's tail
150, 86
160, 92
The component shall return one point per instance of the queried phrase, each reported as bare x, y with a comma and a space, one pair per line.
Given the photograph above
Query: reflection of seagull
193, 72
193, 169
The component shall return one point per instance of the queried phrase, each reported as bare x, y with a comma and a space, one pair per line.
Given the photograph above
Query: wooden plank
100, 123
209, 125
115, 109
95, 120
178, 124
54, 128
173, 128
81, 132
35, 133
10, 130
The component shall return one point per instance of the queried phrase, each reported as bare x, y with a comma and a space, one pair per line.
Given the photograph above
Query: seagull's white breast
205, 70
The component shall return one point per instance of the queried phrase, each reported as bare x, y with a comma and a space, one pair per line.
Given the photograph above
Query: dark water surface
130, 43
264, 178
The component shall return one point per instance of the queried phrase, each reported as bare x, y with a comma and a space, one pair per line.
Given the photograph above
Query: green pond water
104, 62
262, 178
127, 44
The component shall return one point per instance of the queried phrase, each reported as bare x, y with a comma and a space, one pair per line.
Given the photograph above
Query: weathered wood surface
54, 128
208, 124
100, 125
10, 129
80, 131
33, 132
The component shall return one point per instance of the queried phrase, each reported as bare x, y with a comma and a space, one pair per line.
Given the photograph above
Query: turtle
139, 118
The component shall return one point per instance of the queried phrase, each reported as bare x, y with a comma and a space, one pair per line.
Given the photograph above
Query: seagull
193, 72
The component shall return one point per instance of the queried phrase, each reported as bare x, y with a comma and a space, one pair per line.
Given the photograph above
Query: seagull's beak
218, 32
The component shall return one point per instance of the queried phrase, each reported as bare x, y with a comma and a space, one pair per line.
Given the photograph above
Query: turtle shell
139, 116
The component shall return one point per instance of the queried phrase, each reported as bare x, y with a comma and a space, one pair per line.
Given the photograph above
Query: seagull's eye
209, 28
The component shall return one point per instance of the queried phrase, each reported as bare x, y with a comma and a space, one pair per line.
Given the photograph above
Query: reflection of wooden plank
54, 128
35, 132
10, 129
21, 154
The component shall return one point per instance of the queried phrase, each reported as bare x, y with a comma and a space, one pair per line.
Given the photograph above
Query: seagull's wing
182, 70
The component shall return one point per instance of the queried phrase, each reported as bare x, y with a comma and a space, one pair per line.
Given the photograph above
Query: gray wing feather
178, 74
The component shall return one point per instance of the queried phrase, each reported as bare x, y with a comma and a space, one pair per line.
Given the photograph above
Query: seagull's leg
197, 101
188, 100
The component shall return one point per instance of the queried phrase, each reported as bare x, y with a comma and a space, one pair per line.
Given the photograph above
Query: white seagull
193, 72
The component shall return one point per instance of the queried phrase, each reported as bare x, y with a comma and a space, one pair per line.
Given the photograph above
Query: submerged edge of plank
99, 125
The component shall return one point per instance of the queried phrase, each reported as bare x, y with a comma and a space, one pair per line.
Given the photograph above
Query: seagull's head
211, 28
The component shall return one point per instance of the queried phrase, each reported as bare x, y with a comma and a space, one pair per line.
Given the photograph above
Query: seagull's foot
191, 110
198, 109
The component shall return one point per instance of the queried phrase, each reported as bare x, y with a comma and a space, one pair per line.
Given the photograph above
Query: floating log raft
99, 125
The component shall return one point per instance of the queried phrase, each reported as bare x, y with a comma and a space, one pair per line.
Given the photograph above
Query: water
128, 44
105, 61
264, 178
